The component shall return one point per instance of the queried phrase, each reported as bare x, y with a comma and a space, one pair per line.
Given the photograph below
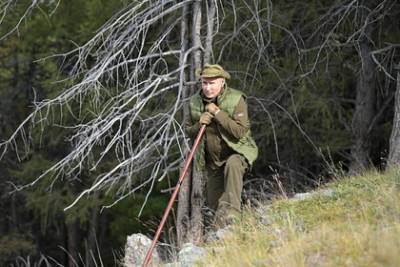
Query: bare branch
129, 75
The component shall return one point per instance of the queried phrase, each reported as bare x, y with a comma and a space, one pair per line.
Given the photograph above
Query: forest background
93, 95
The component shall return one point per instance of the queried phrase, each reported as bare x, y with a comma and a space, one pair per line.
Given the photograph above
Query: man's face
211, 87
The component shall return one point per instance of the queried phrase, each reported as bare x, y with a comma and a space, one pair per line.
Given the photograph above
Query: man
228, 149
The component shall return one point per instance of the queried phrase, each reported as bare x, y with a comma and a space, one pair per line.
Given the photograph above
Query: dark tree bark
365, 105
183, 214
72, 241
208, 53
197, 197
13, 223
394, 152
91, 246
190, 219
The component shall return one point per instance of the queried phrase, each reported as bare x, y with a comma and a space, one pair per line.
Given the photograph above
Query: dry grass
358, 226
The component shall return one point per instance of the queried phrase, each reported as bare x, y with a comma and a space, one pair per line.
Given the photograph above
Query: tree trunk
13, 223
91, 244
183, 214
197, 197
103, 227
72, 236
394, 150
196, 36
364, 109
208, 53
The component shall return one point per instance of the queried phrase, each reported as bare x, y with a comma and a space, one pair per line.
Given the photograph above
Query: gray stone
171, 264
302, 196
329, 192
136, 249
218, 235
210, 237
190, 254
223, 232
323, 192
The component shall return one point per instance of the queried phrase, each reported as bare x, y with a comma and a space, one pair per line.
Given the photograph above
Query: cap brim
215, 76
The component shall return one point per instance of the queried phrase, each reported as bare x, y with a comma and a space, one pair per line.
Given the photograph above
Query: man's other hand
212, 108
206, 118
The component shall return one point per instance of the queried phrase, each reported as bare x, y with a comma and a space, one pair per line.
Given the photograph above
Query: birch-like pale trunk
394, 150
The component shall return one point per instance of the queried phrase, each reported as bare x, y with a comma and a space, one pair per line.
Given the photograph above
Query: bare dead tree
197, 194
7, 5
183, 213
365, 104
210, 16
130, 65
328, 33
191, 198
122, 124
365, 15
133, 66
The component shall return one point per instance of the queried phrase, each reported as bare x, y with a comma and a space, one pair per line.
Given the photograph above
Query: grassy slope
358, 226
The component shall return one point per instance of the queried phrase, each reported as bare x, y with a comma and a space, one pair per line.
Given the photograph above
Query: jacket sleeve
239, 124
192, 128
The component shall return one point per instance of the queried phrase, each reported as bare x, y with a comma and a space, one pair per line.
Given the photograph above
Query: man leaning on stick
228, 149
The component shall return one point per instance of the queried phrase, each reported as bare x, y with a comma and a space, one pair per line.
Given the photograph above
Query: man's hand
206, 118
212, 108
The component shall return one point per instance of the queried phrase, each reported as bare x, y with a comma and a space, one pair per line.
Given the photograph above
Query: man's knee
237, 162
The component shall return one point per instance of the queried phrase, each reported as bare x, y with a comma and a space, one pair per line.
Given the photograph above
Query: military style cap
214, 71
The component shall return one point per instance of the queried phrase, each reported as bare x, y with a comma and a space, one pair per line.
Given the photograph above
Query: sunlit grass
359, 225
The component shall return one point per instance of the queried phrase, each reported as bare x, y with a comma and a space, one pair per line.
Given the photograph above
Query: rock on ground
323, 192
189, 254
136, 249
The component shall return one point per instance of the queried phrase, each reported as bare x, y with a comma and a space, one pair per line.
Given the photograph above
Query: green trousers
224, 188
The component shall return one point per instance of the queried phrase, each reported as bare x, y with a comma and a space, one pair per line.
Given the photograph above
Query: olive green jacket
227, 125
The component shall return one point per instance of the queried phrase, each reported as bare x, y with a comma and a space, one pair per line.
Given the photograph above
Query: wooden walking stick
174, 194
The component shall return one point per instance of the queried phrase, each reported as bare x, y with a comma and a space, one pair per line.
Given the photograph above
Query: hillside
357, 225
